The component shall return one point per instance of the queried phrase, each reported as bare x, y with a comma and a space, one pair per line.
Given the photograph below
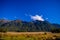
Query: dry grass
29, 36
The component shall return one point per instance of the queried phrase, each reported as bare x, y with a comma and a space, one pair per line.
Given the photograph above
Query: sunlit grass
28, 36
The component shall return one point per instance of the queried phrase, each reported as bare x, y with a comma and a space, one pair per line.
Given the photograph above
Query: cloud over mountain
37, 17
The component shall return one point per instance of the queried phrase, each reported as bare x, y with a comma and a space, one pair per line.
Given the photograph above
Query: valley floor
29, 36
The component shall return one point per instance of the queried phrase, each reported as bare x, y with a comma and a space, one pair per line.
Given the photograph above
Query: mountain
56, 25
23, 26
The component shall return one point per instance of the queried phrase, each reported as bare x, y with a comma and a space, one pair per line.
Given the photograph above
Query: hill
23, 26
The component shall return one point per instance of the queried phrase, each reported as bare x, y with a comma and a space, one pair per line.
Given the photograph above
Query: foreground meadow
29, 36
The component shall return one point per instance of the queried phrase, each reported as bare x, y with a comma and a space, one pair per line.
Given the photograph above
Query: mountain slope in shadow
23, 26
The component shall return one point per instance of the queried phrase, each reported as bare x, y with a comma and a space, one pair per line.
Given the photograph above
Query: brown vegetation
32, 35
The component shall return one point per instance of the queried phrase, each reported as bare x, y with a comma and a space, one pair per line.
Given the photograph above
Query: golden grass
29, 35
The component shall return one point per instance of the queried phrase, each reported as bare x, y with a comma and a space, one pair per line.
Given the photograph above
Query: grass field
29, 36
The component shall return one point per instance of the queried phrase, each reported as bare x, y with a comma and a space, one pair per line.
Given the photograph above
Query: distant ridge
23, 26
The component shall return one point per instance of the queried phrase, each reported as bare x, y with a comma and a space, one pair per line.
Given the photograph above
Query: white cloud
37, 17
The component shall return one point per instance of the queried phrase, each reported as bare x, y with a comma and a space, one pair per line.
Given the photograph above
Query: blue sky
21, 9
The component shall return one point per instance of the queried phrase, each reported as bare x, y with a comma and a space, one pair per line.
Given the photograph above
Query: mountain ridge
24, 26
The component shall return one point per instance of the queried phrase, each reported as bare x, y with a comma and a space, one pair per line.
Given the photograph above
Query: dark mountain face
56, 25
23, 26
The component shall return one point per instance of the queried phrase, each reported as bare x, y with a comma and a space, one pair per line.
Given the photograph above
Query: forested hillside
23, 26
